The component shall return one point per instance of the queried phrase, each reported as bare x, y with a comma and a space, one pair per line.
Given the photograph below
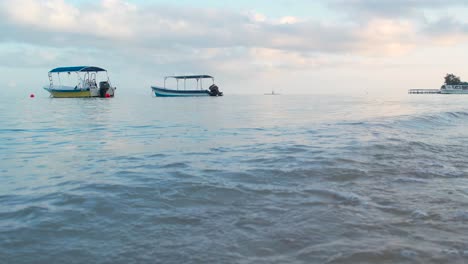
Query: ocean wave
320, 184
429, 121
347, 198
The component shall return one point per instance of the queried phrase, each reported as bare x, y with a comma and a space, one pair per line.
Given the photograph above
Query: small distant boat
86, 86
272, 93
445, 89
452, 85
213, 90
454, 89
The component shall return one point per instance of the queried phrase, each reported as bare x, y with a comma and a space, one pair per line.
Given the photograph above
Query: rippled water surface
238, 179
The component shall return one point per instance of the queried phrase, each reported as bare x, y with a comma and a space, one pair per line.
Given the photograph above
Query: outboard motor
103, 88
214, 90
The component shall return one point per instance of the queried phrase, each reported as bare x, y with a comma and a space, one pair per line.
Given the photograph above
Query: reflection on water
254, 179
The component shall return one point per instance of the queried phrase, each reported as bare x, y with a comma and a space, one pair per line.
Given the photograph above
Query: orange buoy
31, 95
107, 95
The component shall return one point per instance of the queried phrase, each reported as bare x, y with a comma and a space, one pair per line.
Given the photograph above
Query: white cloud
109, 19
257, 17
391, 37
125, 27
165, 39
289, 20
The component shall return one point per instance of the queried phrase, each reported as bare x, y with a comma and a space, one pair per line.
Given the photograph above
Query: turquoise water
237, 179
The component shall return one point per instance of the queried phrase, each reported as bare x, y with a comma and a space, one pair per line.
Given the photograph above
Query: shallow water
238, 179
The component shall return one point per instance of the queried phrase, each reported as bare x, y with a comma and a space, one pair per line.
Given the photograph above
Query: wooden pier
424, 91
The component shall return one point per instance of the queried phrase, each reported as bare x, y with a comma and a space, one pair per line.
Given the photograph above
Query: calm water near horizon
237, 179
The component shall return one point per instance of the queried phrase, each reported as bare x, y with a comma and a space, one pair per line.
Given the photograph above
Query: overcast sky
250, 46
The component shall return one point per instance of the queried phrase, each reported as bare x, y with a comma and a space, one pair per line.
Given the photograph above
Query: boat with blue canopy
213, 90
79, 81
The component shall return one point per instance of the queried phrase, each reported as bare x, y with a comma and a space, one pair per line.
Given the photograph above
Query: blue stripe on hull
177, 95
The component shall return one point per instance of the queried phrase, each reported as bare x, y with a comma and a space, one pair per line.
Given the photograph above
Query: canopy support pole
80, 80
51, 80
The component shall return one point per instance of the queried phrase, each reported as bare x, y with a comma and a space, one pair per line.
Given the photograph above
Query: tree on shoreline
451, 79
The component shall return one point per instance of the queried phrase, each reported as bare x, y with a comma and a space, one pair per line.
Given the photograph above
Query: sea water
235, 179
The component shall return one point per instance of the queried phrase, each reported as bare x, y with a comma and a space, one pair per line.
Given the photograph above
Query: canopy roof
78, 69
191, 77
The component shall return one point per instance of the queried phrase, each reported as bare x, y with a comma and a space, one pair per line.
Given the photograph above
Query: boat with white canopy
182, 90
79, 81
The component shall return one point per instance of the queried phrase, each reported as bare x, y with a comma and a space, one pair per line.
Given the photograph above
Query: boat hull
454, 89
68, 93
443, 91
163, 92
56, 93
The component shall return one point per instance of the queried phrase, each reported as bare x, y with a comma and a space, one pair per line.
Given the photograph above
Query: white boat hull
445, 91
163, 92
454, 89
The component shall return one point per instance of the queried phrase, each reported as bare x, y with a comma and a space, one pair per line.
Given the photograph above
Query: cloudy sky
250, 46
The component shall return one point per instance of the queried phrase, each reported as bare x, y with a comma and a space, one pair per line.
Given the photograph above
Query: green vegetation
451, 79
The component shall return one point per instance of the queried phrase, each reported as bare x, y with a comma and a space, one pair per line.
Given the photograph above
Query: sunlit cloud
166, 38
